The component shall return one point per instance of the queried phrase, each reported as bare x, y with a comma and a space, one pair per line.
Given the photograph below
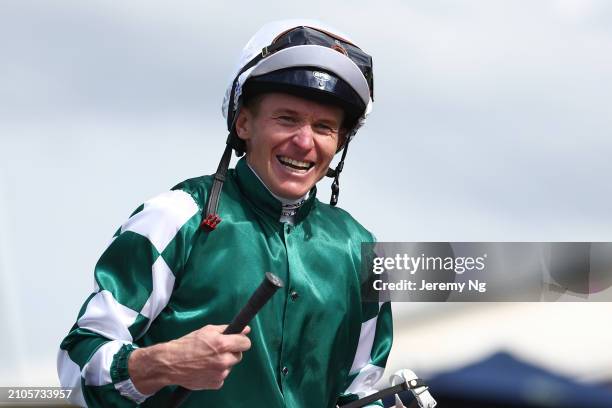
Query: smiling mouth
295, 164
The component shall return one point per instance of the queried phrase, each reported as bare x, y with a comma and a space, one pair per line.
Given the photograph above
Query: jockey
184, 263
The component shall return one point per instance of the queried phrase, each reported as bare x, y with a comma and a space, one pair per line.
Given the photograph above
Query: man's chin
292, 192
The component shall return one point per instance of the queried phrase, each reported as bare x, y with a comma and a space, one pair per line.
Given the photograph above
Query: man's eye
287, 119
324, 129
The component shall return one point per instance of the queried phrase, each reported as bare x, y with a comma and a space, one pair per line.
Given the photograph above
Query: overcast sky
491, 121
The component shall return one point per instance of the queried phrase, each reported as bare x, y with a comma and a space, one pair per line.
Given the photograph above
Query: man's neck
290, 206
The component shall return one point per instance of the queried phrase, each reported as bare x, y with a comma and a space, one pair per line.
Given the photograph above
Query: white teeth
294, 163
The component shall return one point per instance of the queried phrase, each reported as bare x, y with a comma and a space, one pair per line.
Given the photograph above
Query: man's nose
304, 137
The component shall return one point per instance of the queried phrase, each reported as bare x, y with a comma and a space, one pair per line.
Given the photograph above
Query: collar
260, 196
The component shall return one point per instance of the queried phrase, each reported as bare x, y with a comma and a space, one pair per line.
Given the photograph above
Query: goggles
310, 36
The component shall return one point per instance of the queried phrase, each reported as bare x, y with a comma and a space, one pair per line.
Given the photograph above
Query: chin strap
335, 187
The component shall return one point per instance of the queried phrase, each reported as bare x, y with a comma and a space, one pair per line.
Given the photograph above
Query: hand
199, 360
203, 358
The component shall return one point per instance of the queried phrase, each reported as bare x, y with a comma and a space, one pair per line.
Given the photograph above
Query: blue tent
504, 381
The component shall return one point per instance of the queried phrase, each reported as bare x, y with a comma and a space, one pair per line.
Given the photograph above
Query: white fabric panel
128, 390
366, 340
163, 282
70, 377
162, 217
97, 371
105, 316
363, 384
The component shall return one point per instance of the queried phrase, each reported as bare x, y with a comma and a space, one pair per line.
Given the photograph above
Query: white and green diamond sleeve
134, 279
374, 346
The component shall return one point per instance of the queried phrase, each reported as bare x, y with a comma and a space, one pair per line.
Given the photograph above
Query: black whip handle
258, 299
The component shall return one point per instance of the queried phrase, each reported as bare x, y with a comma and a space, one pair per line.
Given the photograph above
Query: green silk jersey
315, 344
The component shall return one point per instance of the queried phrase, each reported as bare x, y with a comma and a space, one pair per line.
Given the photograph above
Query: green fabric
119, 367
384, 336
178, 250
105, 396
124, 269
81, 344
138, 327
314, 335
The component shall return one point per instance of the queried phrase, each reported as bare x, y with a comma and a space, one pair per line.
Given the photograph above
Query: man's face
290, 141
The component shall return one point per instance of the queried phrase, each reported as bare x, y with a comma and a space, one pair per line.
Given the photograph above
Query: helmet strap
335, 187
211, 218
233, 142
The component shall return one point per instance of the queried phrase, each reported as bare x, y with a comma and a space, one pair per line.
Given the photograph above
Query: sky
491, 122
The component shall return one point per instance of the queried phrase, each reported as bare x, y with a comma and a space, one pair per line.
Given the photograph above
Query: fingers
235, 343
208, 356
228, 360
238, 357
232, 343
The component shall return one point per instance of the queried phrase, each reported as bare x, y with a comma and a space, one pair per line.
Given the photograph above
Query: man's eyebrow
285, 111
329, 121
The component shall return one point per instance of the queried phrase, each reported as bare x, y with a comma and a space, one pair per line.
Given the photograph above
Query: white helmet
307, 58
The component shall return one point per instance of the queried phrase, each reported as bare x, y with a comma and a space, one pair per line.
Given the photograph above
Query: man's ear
243, 124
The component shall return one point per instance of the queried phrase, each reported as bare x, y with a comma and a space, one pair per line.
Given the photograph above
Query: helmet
306, 58
302, 57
